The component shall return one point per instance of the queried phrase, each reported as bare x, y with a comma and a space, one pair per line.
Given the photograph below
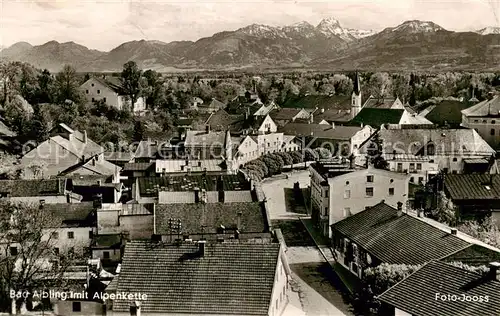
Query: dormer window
431, 149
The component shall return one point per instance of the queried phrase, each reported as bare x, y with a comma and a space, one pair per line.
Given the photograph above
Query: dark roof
472, 186
397, 239
376, 117
114, 83
284, 113
118, 156
474, 255
220, 120
333, 115
89, 180
29, 188
138, 166
231, 278
189, 183
193, 216
320, 102
416, 294
320, 130
71, 214
447, 111
380, 103
107, 241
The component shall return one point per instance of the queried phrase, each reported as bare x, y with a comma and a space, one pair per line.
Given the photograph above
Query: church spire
357, 85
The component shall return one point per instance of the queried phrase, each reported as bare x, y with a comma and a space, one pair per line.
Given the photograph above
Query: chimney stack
201, 246
400, 209
494, 270
454, 231
207, 128
238, 220
84, 137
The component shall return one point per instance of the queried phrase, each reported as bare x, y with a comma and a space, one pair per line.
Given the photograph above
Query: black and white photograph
250, 157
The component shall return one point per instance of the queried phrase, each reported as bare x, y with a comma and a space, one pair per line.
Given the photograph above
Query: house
181, 167
130, 221
203, 278
447, 113
376, 117
64, 149
443, 289
383, 103
51, 191
99, 189
321, 103
118, 158
265, 109
475, 195
384, 234
424, 152
93, 166
135, 170
340, 189
110, 90
208, 145
484, 117
193, 189
196, 102
346, 138
284, 116
214, 106
216, 221
108, 248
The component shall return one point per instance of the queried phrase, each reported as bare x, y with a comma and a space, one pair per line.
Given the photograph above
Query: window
391, 191
98, 91
484, 121
77, 307
493, 122
133, 310
455, 159
54, 235
87, 91
56, 251
92, 85
104, 99
326, 193
476, 121
392, 180
347, 211
454, 172
91, 234
13, 251
93, 99
105, 254
71, 235
419, 166
347, 183
347, 194
369, 192
431, 161
412, 179
492, 131
412, 166
400, 167
369, 178
431, 149
420, 180
326, 211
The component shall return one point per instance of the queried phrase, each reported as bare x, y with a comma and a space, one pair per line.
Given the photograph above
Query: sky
104, 25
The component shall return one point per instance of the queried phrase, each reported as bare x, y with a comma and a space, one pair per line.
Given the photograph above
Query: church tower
356, 97
228, 148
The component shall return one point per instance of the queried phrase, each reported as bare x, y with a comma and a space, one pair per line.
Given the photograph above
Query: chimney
207, 128
400, 209
494, 271
201, 247
84, 137
196, 195
93, 161
99, 182
352, 162
454, 231
238, 221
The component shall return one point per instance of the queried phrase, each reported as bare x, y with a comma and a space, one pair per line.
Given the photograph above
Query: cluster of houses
180, 224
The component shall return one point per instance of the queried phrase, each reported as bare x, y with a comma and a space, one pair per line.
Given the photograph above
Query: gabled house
443, 289
39, 191
484, 117
110, 90
284, 116
98, 189
202, 278
64, 149
130, 221
208, 144
93, 166
212, 107
424, 152
341, 189
384, 234
475, 195
265, 109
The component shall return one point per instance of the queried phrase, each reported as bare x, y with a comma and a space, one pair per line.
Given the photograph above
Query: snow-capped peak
416, 26
262, 30
489, 30
331, 27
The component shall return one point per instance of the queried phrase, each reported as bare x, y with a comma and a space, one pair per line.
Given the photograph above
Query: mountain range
415, 45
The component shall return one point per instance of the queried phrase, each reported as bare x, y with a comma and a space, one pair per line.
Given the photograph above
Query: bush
297, 157
310, 155
287, 158
272, 165
323, 153
278, 160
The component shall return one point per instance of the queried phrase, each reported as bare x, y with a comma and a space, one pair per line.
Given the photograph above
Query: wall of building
55, 158
81, 237
52, 199
167, 197
348, 192
138, 226
65, 308
398, 312
96, 91
360, 137
268, 125
320, 201
237, 196
106, 218
420, 171
485, 127
279, 299
114, 254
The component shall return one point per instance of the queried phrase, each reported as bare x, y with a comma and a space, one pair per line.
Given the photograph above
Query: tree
445, 212
376, 153
139, 130
27, 257
297, 157
487, 231
376, 281
45, 89
131, 81
67, 85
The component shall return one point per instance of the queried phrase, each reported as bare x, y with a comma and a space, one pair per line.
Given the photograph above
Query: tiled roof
397, 239
375, 117
28, 188
284, 113
416, 294
189, 183
114, 83
447, 111
382, 103
214, 104
107, 241
485, 108
202, 138
136, 209
193, 216
71, 214
446, 141
146, 149
221, 120
333, 115
118, 156
231, 278
100, 167
209, 165
472, 186
320, 102
418, 120
320, 130
474, 255
88, 180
